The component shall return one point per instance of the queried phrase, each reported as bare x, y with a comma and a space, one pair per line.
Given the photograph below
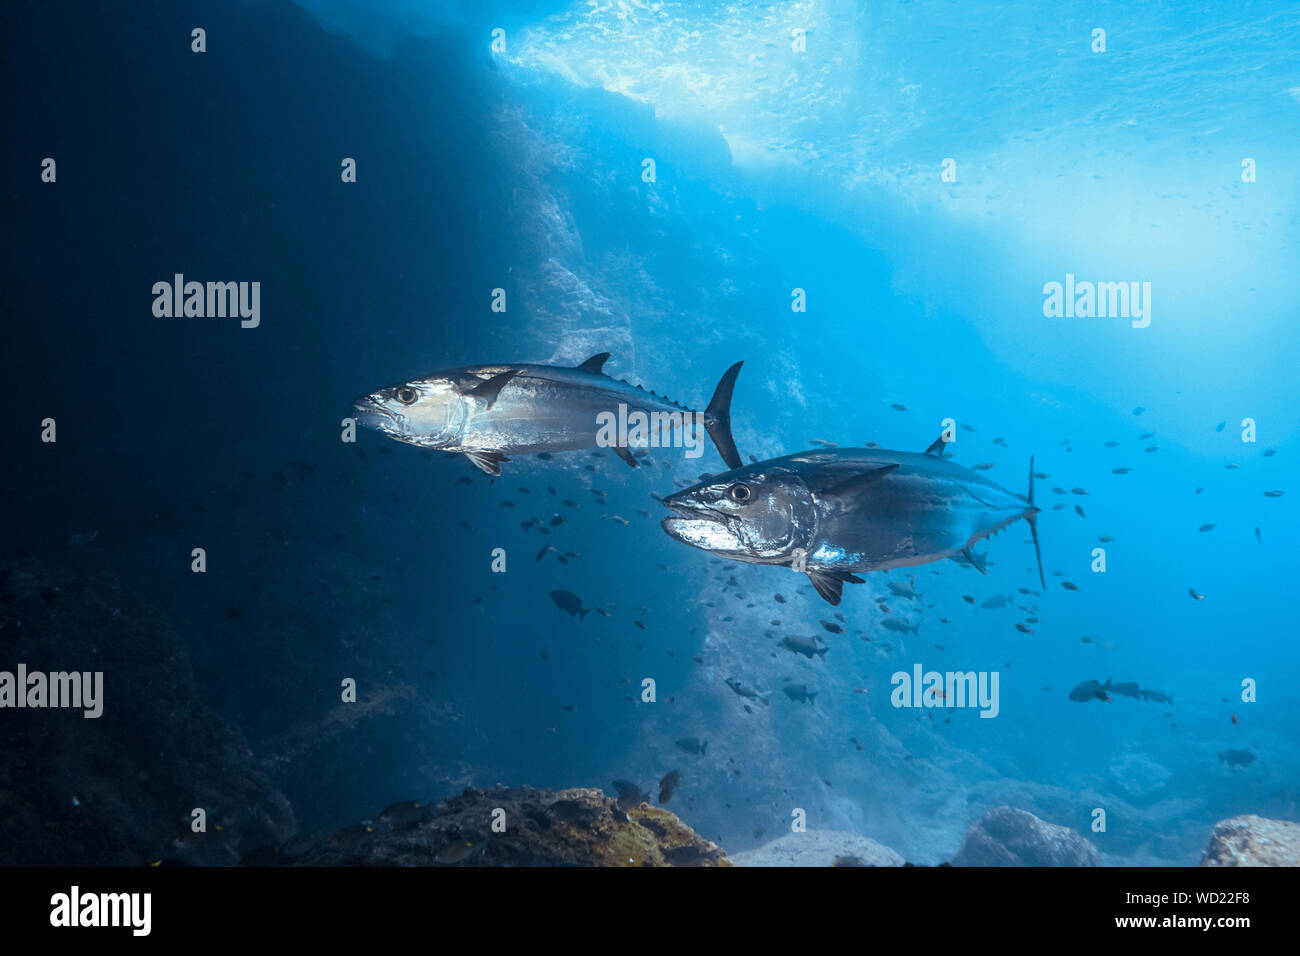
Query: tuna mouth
370, 415
702, 528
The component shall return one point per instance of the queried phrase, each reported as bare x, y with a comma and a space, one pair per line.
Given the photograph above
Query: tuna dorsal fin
490, 388
936, 447
595, 363
830, 584
851, 486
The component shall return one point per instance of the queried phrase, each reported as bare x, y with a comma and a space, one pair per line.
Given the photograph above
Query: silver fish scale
552, 409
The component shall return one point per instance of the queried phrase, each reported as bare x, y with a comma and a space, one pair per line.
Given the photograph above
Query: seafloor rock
1005, 836
118, 789
1253, 841
580, 827
820, 848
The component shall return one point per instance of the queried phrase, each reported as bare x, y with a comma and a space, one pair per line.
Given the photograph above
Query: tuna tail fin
583, 612
717, 417
1032, 517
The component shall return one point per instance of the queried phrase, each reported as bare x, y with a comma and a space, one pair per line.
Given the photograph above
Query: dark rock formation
1007, 837
1253, 841
118, 789
580, 827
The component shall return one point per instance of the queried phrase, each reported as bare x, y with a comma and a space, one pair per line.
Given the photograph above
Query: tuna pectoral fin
717, 417
489, 461
595, 363
830, 584
622, 452
488, 389
851, 486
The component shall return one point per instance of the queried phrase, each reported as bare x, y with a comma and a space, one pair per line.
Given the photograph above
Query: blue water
776, 170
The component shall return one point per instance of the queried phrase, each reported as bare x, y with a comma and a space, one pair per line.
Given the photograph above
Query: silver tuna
834, 512
489, 412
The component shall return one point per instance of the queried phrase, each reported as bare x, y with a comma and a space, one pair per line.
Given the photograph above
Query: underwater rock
117, 789
1005, 836
820, 848
1253, 841
578, 827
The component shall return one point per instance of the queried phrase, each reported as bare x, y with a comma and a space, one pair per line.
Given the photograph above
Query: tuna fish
489, 412
831, 513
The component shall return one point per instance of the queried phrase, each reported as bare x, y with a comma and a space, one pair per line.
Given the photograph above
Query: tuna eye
740, 493
406, 395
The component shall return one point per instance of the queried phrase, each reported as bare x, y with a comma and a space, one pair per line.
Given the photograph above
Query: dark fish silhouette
570, 604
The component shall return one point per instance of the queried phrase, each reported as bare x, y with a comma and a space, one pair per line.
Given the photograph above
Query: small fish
898, 408
995, 602
1219, 427
1105, 538
983, 466
1023, 630
901, 626
570, 604
1112, 444
1079, 511
455, 853
1091, 690
968, 599
780, 598
1199, 489
800, 693
542, 553
693, 745
1236, 719
832, 627
629, 794
1195, 596
1272, 494
1139, 410
1120, 471
744, 691
903, 590
1258, 539
803, 645
1207, 527
1069, 585
1159, 696
668, 785
1149, 449
1078, 491
639, 624
1002, 442
1237, 758
619, 518
1270, 452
